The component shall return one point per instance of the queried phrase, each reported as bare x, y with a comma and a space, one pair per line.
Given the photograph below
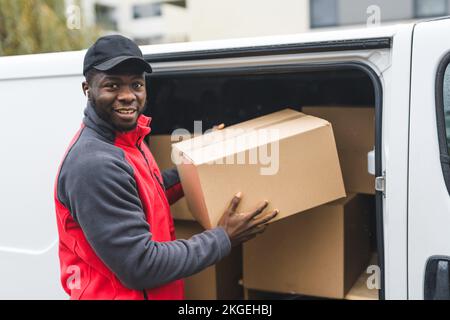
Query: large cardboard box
354, 131
321, 252
161, 148
289, 160
217, 282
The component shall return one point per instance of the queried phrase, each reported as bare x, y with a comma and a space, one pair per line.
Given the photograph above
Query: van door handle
437, 278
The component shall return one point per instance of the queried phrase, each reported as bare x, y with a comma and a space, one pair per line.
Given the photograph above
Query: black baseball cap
110, 51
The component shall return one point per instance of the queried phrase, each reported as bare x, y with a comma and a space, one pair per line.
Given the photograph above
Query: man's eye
112, 85
138, 85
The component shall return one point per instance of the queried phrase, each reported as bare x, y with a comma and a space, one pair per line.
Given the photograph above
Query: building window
323, 13
178, 3
147, 10
430, 8
106, 17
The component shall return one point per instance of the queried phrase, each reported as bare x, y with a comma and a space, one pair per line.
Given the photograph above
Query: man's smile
125, 113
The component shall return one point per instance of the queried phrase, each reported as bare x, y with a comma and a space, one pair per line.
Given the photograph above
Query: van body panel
428, 197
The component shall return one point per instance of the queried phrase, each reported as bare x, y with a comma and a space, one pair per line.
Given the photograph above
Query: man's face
118, 96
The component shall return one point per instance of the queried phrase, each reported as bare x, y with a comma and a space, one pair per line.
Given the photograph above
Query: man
112, 203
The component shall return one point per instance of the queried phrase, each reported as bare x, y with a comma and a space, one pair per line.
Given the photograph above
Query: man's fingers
263, 220
258, 210
234, 203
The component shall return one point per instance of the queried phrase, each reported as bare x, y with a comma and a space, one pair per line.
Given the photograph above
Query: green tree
36, 26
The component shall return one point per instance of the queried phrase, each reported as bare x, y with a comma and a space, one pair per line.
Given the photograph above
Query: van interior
231, 96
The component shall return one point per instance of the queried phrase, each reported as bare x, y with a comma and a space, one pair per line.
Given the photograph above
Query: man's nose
126, 94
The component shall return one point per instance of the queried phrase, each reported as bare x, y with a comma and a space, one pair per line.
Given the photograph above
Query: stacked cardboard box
320, 252
354, 131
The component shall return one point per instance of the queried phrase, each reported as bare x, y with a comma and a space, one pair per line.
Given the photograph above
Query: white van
399, 70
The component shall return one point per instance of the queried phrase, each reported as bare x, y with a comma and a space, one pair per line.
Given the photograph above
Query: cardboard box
290, 160
161, 148
354, 130
321, 252
217, 282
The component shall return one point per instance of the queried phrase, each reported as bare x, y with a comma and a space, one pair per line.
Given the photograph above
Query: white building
161, 21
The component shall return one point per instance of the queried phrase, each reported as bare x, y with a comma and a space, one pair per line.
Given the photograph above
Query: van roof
70, 63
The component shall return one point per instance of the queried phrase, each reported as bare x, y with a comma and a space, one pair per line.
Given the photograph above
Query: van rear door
429, 165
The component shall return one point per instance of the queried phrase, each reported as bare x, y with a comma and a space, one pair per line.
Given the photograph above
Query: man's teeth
125, 111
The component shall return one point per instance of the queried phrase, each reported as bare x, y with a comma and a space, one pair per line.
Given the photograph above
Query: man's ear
85, 88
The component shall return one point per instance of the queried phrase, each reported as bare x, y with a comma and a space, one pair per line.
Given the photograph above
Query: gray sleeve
102, 196
170, 177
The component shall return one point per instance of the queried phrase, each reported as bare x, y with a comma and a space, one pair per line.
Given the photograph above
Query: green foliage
36, 26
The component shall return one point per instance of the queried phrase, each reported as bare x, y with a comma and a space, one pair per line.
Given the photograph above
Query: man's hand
244, 226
